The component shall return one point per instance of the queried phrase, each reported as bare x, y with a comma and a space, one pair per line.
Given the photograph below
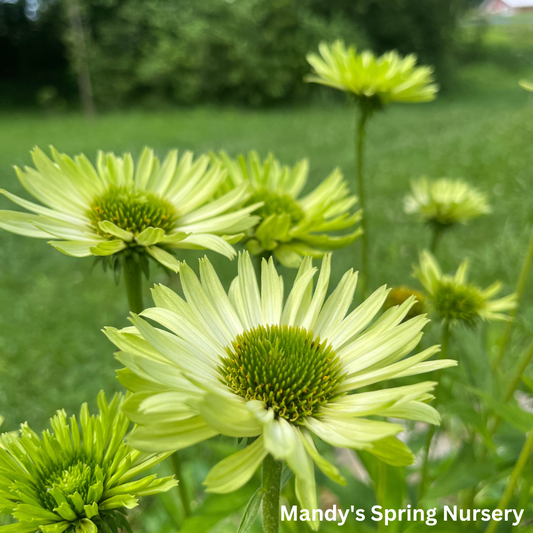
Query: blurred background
208, 75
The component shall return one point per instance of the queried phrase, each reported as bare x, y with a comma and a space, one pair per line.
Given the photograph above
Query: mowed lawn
52, 352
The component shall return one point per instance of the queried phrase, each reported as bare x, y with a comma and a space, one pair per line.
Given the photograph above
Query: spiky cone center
457, 303
286, 367
69, 477
277, 204
132, 210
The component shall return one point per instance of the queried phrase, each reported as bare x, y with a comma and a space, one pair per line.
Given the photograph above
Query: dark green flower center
132, 209
458, 302
78, 477
285, 367
277, 204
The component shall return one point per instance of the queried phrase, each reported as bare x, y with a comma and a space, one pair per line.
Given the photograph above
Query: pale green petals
237, 469
414, 411
260, 412
108, 248
271, 292
219, 299
163, 257
229, 415
325, 466
392, 451
75, 248
336, 305
358, 319
250, 304
205, 241
40, 210
295, 298
171, 436
357, 433
400, 369
280, 439
22, 224
144, 168
319, 296
150, 236
173, 238
108, 227
148, 408
116, 502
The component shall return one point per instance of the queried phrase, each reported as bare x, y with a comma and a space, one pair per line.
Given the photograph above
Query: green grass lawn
52, 352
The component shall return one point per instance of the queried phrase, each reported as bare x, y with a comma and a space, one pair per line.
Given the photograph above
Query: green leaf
509, 412
215, 508
251, 511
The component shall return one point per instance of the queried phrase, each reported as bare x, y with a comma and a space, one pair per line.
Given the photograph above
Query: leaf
464, 473
215, 508
251, 511
509, 412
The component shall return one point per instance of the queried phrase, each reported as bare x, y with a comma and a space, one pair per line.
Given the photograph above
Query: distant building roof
504, 5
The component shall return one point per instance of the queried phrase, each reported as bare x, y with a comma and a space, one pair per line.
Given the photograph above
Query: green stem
446, 335
360, 143
134, 283
184, 496
522, 365
520, 288
271, 483
133, 279
511, 484
435, 239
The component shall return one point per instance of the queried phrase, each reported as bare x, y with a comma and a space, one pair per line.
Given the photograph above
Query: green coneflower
453, 300
151, 210
443, 203
244, 364
398, 295
374, 82
291, 226
79, 478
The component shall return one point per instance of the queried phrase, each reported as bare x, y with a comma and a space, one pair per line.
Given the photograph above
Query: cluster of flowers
242, 363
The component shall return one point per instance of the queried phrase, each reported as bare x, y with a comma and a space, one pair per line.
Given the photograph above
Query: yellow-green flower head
153, 208
445, 202
385, 79
455, 300
245, 364
79, 478
398, 295
291, 226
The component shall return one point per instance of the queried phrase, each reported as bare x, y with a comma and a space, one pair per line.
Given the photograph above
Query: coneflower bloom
292, 225
244, 364
454, 300
79, 478
150, 208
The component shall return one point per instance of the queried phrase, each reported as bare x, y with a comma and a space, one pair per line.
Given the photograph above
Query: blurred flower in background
152, 209
291, 226
247, 365
375, 81
454, 300
80, 478
445, 202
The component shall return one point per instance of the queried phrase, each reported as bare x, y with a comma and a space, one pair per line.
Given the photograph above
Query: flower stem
445, 343
435, 239
133, 280
271, 483
520, 288
184, 497
511, 484
359, 148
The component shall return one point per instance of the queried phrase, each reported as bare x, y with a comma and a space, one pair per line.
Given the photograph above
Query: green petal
163, 257
75, 248
150, 236
86, 526
108, 248
237, 469
108, 227
22, 224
